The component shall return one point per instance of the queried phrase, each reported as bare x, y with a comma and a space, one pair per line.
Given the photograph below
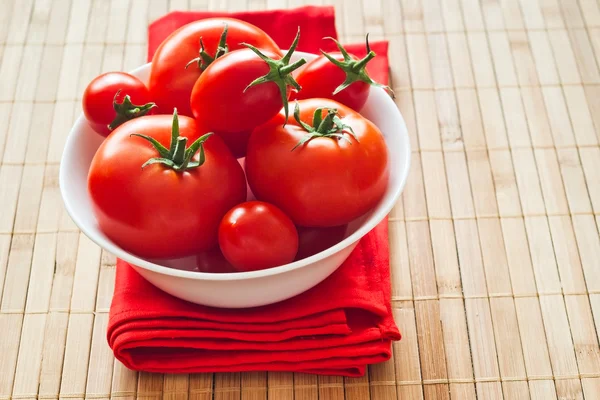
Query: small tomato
312, 241
213, 261
113, 98
257, 235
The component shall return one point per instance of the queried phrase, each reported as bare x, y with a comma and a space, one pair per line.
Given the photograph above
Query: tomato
213, 261
107, 101
320, 177
312, 241
242, 90
210, 261
338, 76
257, 235
199, 42
156, 198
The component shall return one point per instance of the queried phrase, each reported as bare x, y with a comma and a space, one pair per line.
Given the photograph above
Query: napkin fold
335, 328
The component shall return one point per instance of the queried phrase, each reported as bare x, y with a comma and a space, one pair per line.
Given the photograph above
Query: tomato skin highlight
97, 102
319, 79
326, 181
157, 212
219, 99
171, 82
257, 235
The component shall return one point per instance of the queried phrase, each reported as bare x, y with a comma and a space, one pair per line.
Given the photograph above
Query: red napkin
336, 328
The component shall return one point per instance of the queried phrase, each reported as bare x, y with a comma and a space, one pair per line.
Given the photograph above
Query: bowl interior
83, 142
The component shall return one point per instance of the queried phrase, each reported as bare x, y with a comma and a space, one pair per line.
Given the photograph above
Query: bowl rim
130, 258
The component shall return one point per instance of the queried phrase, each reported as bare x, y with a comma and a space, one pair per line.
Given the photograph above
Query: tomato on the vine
112, 98
327, 166
257, 235
157, 197
187, 52
338, 76
242, 90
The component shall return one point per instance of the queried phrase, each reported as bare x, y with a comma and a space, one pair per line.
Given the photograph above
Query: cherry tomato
200, 42
312, 241
242, 90
157, 197
327, 166
256, 235
113, 98
338, 76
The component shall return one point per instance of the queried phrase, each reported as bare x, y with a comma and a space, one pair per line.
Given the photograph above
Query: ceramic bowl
244, 289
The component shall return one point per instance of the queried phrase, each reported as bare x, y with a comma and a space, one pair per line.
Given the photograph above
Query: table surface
495, 242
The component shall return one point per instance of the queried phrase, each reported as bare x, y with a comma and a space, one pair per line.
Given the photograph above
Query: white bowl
244, 289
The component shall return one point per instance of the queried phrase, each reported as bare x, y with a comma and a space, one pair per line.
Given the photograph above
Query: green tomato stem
177, 157
361, 64
355, 70
126, 110
330, 127
279, 72
288, 69
204, 59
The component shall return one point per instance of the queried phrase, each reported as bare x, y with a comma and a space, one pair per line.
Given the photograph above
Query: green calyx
204, 59
355, 69
279, 72
330, 126
177, 156
126, 110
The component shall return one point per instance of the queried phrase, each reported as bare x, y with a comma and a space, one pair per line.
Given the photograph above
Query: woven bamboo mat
495, 244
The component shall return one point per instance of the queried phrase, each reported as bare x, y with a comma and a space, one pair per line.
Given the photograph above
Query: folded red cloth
338, 327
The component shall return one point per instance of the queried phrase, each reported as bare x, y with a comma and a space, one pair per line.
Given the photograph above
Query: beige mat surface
495, 244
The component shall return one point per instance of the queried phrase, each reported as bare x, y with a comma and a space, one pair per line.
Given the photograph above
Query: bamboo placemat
495, 243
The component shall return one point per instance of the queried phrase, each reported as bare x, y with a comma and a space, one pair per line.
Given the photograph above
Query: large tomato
172, 76
157, 198
257, 235
327, 166
338, 76
242, 90
113, 98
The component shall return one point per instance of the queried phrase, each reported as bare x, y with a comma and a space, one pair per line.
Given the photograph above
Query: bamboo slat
495, 243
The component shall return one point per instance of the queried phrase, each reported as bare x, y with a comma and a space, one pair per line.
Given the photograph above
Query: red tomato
256, 235
338, 76
107, 101
171, 82
213, 261
320, 177
242, 90
210, 261
163, 203
312, 241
